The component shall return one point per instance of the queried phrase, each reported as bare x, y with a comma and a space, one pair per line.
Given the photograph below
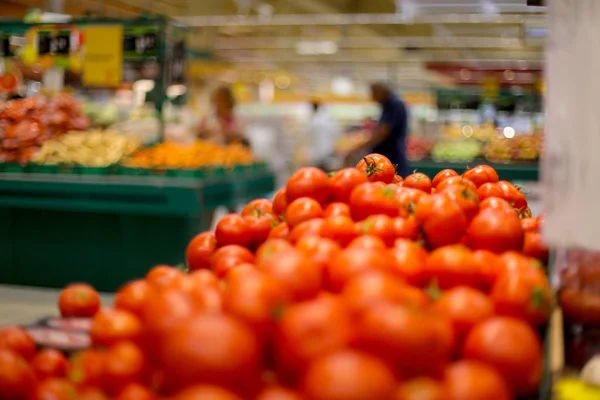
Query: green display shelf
518, 171
106, 230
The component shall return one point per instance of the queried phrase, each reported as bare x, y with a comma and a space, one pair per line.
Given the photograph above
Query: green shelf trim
517, 171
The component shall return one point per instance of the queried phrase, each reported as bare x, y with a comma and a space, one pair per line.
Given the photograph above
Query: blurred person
389, 135
322, 132
221, 125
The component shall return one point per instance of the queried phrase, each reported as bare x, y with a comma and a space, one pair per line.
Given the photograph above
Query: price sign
54, 43
140, 42
177, 69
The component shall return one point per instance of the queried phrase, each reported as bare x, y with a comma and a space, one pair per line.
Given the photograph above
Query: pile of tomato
357, 285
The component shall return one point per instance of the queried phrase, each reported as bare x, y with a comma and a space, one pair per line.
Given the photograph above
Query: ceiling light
342, 86
508, 132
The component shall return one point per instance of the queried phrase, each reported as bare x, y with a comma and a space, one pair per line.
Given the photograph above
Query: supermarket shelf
517, 171
107, 230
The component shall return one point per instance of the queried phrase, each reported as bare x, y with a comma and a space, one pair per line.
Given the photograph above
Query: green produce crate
186, 173
43, 168
123, 170
518, 171
79, 169
66, 169
14, 168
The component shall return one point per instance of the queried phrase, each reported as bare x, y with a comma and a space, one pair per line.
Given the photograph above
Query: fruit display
520, 148
417, 148
343, 287
25, 124
456, 151
89, 149
196, 155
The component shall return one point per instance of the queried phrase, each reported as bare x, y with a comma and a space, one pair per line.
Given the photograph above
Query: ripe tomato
495, 230
287, 266
368, 242
377, 167
488, 190
459, 181
336, 208
275, 392
496, 203
370, 199
348, 375
319, 250
490, 266
258, 207
344, 181
55, 389
312, 227
234, 250
302, 209
111, 326
205, 392
466, 198
421, 389
339, 229
397, 179
371, 287
535, 246
352, 261
406, 228
311, 329
124, 365
227, 263
524, 294
407, 200
280, 202
163, 276
308, 182
410, 260
135, 391
530, 224
418, 181
269, 248
166, 309
17, 339
260, 227
481, 174
17, 378
93, 393
233, 229
452, 266
78, 300
209, 348
280, 231
466, 307
473, 380
442, 219
132, 297
86, 368
512, 195
199, 251
517, 356
442, 176
49, 363
381, 226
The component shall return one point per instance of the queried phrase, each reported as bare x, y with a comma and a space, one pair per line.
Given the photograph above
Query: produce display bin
522, 171
107, 229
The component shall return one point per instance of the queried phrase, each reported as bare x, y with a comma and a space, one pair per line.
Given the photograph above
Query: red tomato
205, 392
406, 228
92, 393
124, 365
86, 368
421, 389
233, 229
348, 375
466, 198
132, 297
163, 275
17, 379
410, 260
78, 300
17, 339
287, 266
407, 200
225, 264
495, 230
281, 231
339, 229
490, 266
459, 181
465, 307
55, 389
280, 202
311, 329
442, 219
517, 356
481, 174
512, 195
111, 326
535, 246
302, 209
452, 266
381, 226
49, 363
418, 181
166, 309
335, 209
472, 380
269, 248
352, 261
488, 190
496, 203
523, 294
442, 176
274, 392
370, 199
320, 250
308, 182
258, 207
344, 181
232, 250
368, 242
260, 227
211, 348
135, 391
199, 251
312, 227
530, 224
397, 179
377, 167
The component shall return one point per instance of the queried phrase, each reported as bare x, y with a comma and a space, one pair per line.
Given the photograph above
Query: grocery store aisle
23, 305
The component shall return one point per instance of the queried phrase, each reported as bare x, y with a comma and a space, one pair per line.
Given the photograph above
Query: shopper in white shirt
322, 132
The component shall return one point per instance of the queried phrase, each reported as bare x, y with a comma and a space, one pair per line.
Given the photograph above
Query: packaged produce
456, 151
520, 148
344, 287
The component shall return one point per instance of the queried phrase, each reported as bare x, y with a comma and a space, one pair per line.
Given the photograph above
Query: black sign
141, 44
537, 3
5, 47
177, 68
58, 43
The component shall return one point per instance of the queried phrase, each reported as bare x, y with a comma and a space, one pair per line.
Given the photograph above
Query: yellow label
103, 55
